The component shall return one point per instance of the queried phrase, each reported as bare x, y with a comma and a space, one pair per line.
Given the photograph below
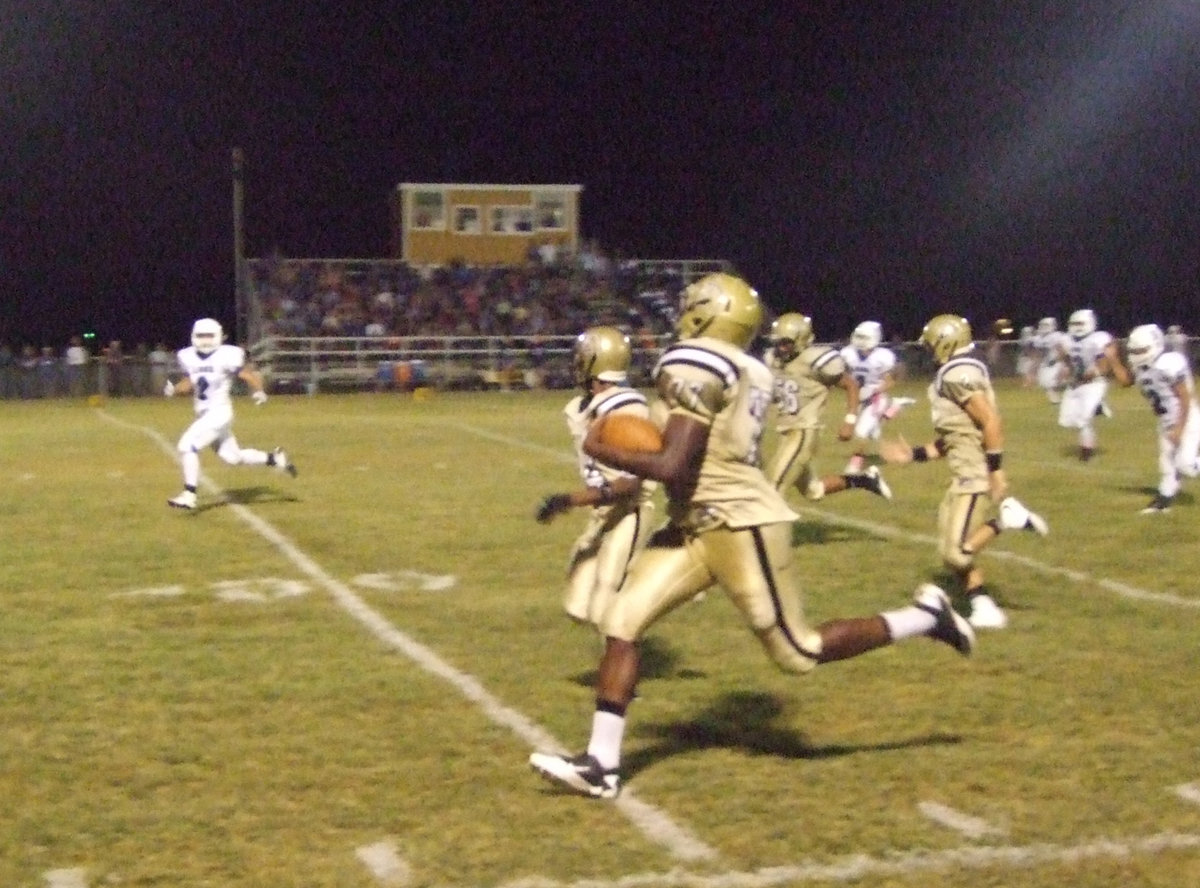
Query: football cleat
950, 628
873, 481
185, 500
580, 773
1158, 505
280, 461
986, 614
1015, 516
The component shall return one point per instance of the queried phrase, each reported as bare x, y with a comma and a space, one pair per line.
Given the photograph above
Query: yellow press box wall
435, 222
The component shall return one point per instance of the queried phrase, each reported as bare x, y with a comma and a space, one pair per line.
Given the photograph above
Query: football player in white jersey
1048, 342
970, 436
727, 525
1026, 357
1165, 378
1087, 356
1176, 340
805, 374
619, 503
210, 367
873, 367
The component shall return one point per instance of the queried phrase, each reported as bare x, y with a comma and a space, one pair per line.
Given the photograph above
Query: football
631, 432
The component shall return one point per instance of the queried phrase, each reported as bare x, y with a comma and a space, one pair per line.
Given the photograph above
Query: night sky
883, 160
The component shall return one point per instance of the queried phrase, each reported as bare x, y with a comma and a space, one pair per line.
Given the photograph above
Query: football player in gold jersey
970, 435
805, 373
619, 503
727, 525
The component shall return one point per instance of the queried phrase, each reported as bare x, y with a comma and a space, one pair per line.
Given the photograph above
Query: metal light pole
241, 322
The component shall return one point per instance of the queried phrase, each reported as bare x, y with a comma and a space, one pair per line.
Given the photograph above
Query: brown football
631, 432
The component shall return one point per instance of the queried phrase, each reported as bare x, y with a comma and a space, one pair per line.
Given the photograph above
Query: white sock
190, 460
607, 732
908, 622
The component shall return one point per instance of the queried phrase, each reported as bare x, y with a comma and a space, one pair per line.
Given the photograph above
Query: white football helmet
206, 336
1047, 325
1144, 345
867, 336
1082, 323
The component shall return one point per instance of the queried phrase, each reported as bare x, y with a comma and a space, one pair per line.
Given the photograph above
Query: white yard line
385, 864
1189, 792
965, 824
65, 878
904, 864
653, 823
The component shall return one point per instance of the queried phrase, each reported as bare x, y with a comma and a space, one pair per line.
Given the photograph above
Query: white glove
259, 398
169, 389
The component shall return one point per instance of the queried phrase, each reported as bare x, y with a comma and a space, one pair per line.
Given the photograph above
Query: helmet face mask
790, 334
947, 335
1144, 345
1082, 323
867, 336
602, 353
720, 306
1047, 325
207, 335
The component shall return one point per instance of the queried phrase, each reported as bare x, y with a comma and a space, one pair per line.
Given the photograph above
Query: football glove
259, 398
169, 389
553, 504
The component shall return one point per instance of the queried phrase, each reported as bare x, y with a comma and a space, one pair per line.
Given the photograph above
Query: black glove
553, 504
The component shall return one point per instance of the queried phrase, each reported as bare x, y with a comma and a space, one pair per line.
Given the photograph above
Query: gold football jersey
720, 385
802, 386
957, 381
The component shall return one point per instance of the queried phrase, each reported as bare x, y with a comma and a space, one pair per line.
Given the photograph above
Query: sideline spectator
75, 361
48, 373
110, 369
9, 387
160, 365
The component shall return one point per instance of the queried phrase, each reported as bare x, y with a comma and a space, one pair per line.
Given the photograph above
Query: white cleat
986, 614
873, 481
581, 774
185, 500
950, 628
1015, 516
281, 463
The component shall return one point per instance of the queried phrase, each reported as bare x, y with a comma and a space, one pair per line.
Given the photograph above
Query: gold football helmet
791, 333
602, 353
722, 306
946, 336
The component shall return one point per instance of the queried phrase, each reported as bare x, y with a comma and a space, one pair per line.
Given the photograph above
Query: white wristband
851, 418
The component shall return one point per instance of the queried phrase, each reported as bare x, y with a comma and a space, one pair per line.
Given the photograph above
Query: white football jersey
1082, 354
870, 369
212, 375
1158, 382
1047, 346
583, 410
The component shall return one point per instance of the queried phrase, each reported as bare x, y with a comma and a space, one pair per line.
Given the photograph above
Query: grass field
336, 680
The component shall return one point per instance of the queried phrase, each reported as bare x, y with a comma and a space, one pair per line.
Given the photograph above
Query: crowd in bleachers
552, 294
